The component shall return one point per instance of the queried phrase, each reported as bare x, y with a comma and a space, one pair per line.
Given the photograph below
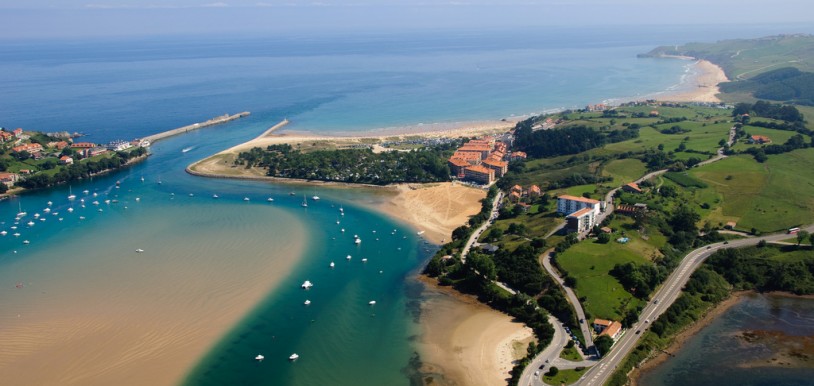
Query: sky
110, 18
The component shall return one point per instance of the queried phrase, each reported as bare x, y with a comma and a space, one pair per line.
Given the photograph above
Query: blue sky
84, 18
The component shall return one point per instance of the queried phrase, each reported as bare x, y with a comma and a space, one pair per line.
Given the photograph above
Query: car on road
656, 301
638, 331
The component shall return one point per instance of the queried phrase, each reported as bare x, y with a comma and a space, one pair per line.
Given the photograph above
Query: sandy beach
101, 316
467, 343
700, 87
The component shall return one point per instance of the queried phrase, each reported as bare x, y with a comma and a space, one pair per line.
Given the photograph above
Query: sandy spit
704, 85
464, 342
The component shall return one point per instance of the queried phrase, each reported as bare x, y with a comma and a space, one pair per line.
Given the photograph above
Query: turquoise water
714, 356
130, 88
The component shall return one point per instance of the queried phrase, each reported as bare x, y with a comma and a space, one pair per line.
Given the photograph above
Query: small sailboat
81, 217
47, 210
139, 250
259, 358
70, 210
364, 260
307, 302
142, 178
293, 357
138, 199
304, 202
191, 195
26, 242
332, 263
30, 223
341, 209
315, 198
372, 302
348, 257
357, 241
291, 193
307, 284
50, 203
214, 196
343, 230
337, 220
95, 203
16, 234
71, 196
21, 213
86, 191
245, 199
3, 233
270, 199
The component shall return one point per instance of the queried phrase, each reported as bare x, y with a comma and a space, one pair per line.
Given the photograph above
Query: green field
772, 196
563, 377
777, 136
590, 263
624, 170
698, 137
571, 354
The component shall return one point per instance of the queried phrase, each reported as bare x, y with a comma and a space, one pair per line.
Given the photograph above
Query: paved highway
662, 300
549, 354
474, 237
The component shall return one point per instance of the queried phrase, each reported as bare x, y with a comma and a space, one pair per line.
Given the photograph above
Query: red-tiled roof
602, 322
581, 212
479, 169
499, 164
612, 330
580, 199
634, 186
460, 162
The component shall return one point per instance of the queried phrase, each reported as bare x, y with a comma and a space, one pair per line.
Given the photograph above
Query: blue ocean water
130, 88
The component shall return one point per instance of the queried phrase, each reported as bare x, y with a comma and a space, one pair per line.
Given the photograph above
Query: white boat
13, 227
372, 302
315, 198
107, 202
95, 203
348, 257
71, 196
95, 194
343, 230
245, 199
307, 302
364, 260
420, 233
50, 203
293, 357
47, 210
214, 196
139, 250
357, 241
138, 199
304, 202
30, 223
70, 210
270, 199
42, 219
341, 209
3, 233
307, 284
332, 263
81, 217
20, 213
16, 235
86, 191
337, 221
259, 358
36, 215
100, 209
142, 178
26, 242
191, 195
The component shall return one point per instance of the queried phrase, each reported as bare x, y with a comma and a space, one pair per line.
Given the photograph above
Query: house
517, 155
632, 188
601, 324
457, 166
760, 139
654, 113
606, 230
61, 145
96, 151
32, 148
489, 248
514, 197
65, 160
613, 331
730, 225
18, 132
5, 136
500, 167
534, 191
480, 174
581, 220
518, 189
8, 178
83, 145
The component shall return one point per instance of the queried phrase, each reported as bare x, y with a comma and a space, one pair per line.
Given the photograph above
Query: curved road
572, 298
663, 299
482, 227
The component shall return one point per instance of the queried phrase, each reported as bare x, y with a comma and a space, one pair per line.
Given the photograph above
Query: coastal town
26, 154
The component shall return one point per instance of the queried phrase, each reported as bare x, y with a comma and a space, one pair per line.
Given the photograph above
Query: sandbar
464, 342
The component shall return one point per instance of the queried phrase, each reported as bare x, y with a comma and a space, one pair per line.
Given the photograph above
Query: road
572, 298
662, 300
474, 237
548, 355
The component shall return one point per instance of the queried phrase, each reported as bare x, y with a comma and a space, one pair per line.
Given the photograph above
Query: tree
460, 232
484, 265
603, 344
802, 236
552, 371
571, 281
603, 238
811, 240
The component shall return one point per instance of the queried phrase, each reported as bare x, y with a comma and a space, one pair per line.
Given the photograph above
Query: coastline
682, 337
465, 342
702, 86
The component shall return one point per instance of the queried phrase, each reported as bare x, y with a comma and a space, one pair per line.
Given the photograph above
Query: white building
581, 213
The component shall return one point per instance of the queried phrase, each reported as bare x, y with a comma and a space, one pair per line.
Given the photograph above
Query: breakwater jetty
195, 126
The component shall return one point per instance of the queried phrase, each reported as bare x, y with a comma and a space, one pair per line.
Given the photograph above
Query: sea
717, 355
325, 83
